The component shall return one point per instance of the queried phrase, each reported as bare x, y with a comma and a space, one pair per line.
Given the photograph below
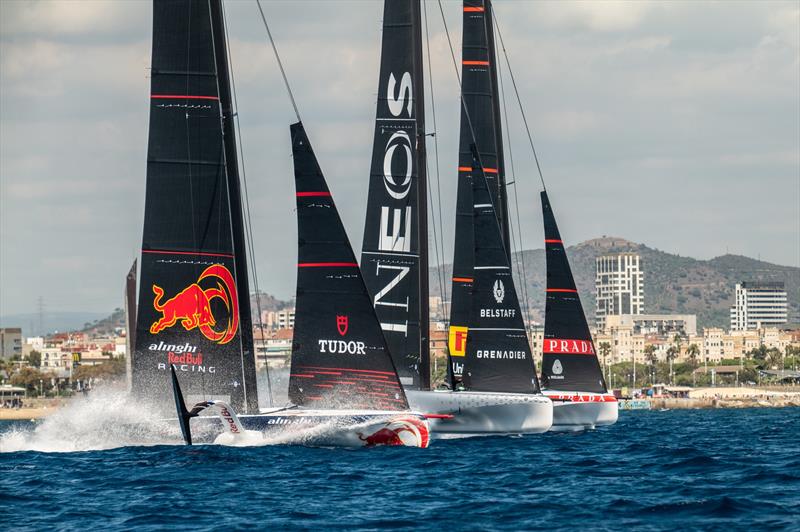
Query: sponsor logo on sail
499, 291
501, 354
342, 323
571, 347
192, 306
184, 357
457, 341
556, 370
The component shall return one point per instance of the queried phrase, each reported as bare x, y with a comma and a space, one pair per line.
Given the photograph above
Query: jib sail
340, 358
394, 250
480, 125
569, 359
498, 355
194, 296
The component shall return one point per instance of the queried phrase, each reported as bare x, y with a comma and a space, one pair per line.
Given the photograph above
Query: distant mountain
672, 284
51, 321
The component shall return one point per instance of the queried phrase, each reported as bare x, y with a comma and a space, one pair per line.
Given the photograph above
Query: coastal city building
278, 319
619, 285
759, 304
659, 324
10, 343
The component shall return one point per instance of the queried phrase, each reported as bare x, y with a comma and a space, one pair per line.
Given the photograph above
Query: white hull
483, 413
575, 411
328, 428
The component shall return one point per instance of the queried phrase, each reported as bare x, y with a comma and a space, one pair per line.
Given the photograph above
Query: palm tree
650, 356
693, 351
672, 352
605, 349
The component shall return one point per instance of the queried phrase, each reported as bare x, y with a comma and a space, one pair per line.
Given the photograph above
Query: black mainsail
498, 355
340, 358
569, 360
194, 297
394, 250
480, 125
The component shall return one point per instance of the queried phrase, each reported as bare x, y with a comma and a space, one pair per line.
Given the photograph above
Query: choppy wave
710, 470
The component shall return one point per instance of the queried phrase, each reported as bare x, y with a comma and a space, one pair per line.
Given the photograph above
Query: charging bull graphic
406, 430
192, 306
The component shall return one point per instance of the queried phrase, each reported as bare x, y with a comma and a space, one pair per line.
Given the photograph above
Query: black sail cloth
569, 361
394, 250
498, 355
191, 297
480, 124
339, 355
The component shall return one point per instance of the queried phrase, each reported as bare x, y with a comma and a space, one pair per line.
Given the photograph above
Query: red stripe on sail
314, 368
462, 279
490, 170
473, 10
198, 253
327, 265
475, 63
182, 97
567, 346
464, 168
313, 194
569, 290
552, 241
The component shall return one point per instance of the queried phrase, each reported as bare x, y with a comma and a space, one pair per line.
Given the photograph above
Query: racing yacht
501, 393
571, 374
194, 336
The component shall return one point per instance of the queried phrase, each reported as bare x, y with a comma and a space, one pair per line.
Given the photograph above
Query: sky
674, 124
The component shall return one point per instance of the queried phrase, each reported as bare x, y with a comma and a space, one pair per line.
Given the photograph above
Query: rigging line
440, 241
519, 100
435, 247
227, 177
520, 251
278, 58
248, 222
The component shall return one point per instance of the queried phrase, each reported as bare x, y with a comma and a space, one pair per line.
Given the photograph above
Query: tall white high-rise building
758, 305
620, 286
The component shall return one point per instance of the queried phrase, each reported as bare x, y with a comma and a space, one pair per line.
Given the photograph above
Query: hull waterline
483, 413
576, 411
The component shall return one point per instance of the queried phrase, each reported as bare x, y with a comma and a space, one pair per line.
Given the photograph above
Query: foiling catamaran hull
483, 413
320, 427
576, 411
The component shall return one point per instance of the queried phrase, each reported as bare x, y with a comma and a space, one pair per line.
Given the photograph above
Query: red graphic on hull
192, 306
407, 430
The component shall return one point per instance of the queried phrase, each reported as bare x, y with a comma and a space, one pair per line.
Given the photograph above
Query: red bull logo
192, 306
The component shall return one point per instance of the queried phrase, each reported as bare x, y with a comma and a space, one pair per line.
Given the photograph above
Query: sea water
681, 469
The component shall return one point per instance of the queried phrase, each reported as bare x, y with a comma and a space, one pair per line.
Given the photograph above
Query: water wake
105, 420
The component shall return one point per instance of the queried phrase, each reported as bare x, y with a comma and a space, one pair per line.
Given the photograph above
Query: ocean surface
680, 469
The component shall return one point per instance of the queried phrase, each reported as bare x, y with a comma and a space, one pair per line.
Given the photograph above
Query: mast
502, 193
394, 251
340, 357
188, 314
569, 359
498, 355
235, 200
479, 126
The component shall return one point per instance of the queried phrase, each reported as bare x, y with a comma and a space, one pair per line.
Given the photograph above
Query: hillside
673, 284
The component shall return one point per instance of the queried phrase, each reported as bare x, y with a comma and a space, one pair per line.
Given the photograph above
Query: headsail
480, 125
498, 355
192, 294
394, 250
339, 354
569, 359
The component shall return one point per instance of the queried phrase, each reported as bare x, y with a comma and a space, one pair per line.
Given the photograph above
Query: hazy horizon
675, 125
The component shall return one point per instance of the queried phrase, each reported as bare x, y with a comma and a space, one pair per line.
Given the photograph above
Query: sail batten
394, 248
338, 350
569, 360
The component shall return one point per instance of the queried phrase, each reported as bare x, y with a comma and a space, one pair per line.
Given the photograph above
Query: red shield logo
341, 324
